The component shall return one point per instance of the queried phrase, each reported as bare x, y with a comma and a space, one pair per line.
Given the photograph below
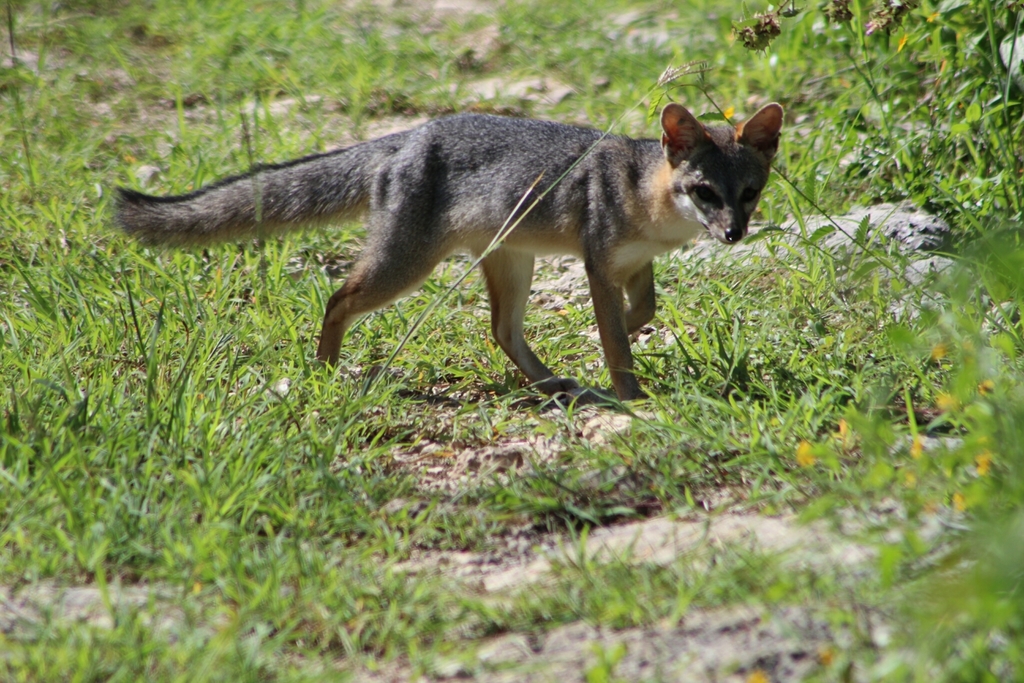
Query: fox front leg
611, 324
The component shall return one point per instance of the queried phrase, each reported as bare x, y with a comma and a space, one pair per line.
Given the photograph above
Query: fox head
718, 172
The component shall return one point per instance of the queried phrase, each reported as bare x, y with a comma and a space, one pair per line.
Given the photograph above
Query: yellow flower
986, 387
983, 461
903, 42
826, 655
958, 502
805, 454
947, 402
196, 588
758, 676
845, 436
910, 479
939, 351
916, 448
729, 111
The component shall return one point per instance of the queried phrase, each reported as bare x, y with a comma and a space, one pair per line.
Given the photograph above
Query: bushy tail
314, 189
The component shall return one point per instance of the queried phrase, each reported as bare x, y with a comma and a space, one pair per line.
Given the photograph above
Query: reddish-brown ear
761, 131
681, 133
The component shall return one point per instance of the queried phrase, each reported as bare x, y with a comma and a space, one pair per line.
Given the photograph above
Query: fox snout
735, 234
729, 229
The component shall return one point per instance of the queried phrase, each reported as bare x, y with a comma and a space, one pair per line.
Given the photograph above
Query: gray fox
452, 183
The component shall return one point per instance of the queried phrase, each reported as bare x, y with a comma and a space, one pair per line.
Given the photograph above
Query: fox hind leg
391, 265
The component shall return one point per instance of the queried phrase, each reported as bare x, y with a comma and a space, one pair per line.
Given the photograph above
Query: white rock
146, 174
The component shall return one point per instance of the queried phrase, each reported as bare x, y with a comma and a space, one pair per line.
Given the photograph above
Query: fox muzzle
734, 235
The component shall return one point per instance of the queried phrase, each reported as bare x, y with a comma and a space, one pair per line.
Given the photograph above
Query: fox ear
681, 133
761, 131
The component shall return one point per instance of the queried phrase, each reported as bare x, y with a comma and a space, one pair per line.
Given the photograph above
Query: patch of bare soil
723, 646
451, 8
527, 559
35, 605
719, 645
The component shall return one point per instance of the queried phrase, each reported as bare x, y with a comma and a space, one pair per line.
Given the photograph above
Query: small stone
146, 174
450, 668
601, 428
513, 647
1011, 51
394, 506
281, 387
517, 576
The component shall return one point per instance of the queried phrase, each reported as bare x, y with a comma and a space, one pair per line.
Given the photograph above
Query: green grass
141, 442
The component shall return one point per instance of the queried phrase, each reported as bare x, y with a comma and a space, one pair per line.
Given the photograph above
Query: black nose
733, 236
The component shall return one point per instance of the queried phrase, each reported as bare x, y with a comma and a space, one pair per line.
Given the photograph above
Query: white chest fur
667, 230
631, 255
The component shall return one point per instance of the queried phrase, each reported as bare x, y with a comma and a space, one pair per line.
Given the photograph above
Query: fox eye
749, 195
705, 194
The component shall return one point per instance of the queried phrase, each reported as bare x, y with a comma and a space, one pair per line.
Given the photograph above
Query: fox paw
552, 386
587, 397
581, 396
567, 391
